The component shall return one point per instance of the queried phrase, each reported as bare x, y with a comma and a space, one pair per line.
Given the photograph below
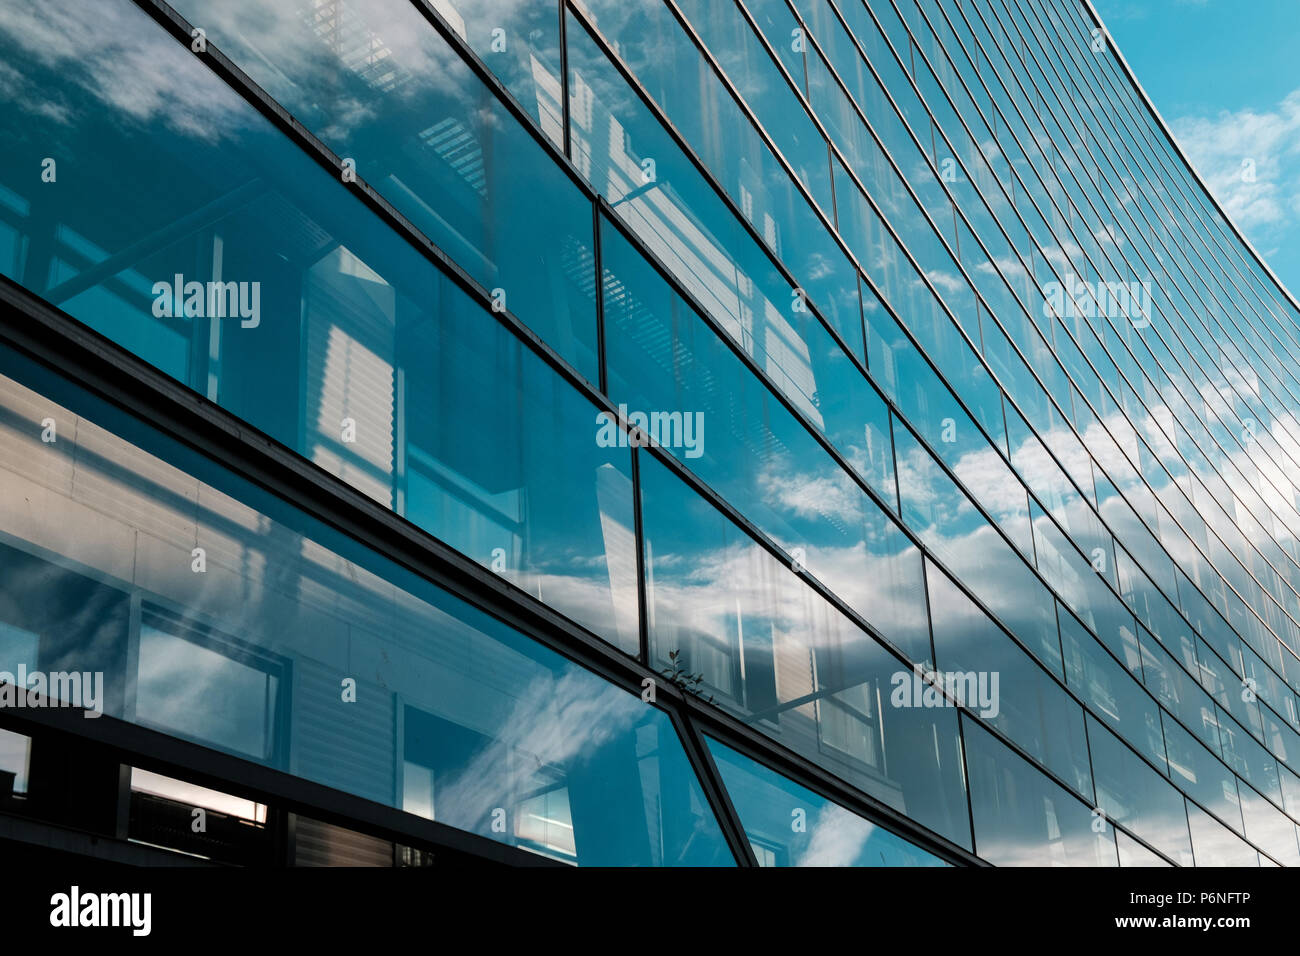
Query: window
199, 686
789, 825
296, 646
1021, 817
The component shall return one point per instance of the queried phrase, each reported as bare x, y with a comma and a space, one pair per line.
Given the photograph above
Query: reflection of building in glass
362, 583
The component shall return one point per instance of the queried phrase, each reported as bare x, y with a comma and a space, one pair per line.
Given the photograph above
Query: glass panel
1216, 845
401, 693
379, 85
1196, 772
1021, 817
213, 694
505, 462
15, 756
1133, 853
1131, 793
1269, 828
1109, 692
750, 634
234, 832
944, 518
789, 825
1025, 704
356, 352
667, 365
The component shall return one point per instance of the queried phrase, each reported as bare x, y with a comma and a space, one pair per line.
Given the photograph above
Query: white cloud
135, 70
1221, 147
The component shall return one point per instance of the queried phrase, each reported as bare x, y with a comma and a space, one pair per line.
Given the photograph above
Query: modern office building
632, 432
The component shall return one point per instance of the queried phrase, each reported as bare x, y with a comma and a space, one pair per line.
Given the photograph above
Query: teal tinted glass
225, 616
1110, 691
664, 360
1014, 693
1134, 795
741, 628
789, 825
204, 241
381, 87
1021, 817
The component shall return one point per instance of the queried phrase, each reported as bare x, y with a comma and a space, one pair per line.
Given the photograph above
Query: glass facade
846, 433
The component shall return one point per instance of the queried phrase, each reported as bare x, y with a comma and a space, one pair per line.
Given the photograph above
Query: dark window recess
225, 838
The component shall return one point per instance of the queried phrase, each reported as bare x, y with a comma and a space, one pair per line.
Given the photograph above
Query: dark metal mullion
642, 583
723, 196
715, 791
565, 107
602, 364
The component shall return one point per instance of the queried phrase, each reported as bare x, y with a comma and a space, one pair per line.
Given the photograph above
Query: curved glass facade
900, 442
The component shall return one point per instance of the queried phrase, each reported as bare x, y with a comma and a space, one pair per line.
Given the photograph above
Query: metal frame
207, 428
940, 463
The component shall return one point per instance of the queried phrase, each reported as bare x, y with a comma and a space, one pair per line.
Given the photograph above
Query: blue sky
1225, 75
